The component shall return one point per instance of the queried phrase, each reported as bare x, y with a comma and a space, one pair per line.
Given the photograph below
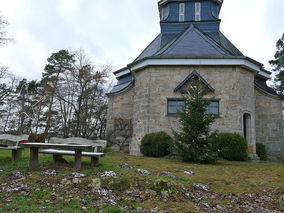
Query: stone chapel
148, 92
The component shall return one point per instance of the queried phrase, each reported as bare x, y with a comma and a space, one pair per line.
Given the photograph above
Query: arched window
247, 127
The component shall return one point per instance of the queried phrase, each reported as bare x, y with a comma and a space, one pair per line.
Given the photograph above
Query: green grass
49, 195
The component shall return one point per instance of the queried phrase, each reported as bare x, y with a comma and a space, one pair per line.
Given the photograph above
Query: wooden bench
15, 148
95, 153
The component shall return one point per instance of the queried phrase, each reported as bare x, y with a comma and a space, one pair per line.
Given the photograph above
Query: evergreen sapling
192, 142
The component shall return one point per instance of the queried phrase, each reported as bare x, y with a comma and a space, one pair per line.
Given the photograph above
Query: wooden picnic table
34, 147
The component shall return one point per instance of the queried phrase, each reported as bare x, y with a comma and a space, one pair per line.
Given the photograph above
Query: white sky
116, 31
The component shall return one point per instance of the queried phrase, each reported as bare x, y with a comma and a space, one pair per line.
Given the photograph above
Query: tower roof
190, 35
163, 2
192, 42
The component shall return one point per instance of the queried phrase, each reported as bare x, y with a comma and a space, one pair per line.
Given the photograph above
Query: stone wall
119, 106
234, 88
269, 123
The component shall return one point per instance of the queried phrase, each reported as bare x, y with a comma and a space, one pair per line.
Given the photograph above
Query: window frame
197, 12
179, 99
181, 12
176, 100
218, 112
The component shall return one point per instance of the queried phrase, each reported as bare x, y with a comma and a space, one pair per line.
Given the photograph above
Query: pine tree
58, 63
192, 143
278, 65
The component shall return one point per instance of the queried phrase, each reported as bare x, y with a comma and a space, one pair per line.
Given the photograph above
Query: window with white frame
197, 11
181, 12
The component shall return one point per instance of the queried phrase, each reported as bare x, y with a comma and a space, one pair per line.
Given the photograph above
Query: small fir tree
192, 143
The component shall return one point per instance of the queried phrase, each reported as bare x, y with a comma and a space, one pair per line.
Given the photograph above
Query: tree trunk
50, 107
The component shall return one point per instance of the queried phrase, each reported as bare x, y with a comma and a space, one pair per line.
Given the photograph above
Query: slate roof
225, 43
192, 42
261, 83
151, 49
120, 87
162, 2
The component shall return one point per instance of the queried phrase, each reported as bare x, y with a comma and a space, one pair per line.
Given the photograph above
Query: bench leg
94, 161
16, 154
57, 158
78, 158
33, 158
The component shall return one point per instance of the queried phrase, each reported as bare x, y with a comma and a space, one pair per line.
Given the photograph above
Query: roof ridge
170, 43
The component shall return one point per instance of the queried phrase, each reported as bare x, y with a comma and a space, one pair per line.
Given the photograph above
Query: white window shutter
181, 12
197, 11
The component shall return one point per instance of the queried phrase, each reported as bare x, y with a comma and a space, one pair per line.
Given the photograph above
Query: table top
56, 146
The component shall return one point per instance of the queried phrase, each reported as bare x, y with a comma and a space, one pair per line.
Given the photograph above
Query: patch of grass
48, 194
112, 209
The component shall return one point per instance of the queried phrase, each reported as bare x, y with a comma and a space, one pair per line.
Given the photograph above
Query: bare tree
3, 34
121, 133
89, 100
7, 83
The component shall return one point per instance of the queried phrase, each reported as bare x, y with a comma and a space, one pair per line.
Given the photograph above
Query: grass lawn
232, 186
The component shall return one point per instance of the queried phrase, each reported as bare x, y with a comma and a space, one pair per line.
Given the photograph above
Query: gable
192, 43
194, 74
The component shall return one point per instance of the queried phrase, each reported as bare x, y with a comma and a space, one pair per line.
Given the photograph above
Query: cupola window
163, 14
181, 12
197, 11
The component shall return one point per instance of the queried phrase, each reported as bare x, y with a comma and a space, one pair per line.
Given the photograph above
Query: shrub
156, 144
36, 137
231, 146
261, 151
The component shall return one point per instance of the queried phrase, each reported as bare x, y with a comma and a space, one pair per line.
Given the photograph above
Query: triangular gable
194, 73
192, 43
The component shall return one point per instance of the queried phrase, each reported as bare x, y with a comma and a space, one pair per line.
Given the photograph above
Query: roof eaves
128, 85
254, 61
185, 57
268, 91
266, 71
120, 70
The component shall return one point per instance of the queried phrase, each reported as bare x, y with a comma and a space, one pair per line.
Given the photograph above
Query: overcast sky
116, 31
